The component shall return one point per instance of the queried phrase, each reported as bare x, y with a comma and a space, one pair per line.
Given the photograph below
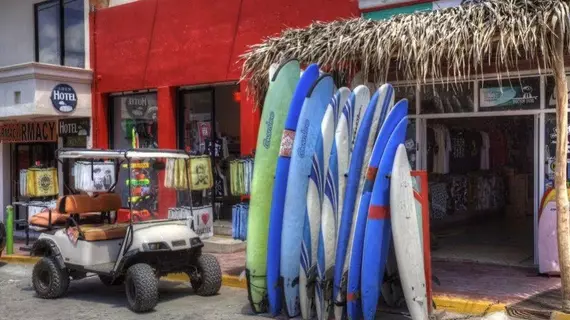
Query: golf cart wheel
48, 280
110, 281
206, 278
141, 285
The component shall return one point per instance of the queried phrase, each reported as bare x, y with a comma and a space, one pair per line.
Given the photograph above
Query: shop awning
452, 43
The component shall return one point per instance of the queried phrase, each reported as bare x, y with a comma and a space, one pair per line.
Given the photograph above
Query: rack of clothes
241, 174
239, 221
459, 151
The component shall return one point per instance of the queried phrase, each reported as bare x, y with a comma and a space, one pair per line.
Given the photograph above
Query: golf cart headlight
155, 246
195, 242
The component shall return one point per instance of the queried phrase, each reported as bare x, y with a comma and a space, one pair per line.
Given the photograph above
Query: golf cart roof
120, 154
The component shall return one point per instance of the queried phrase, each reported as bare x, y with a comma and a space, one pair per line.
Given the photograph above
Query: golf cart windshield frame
121, 156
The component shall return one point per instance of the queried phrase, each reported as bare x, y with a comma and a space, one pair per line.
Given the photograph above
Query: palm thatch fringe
450, 43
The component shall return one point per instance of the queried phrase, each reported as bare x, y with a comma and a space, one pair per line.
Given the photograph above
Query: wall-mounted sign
369, 4
45, 131
64, 98
74, 127
510, 94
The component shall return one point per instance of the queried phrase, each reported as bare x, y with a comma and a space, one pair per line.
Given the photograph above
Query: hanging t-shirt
485, 144
473, 142
497, 149
459, 153
431, 148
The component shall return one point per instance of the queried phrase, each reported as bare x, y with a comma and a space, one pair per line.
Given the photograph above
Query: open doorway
481, 178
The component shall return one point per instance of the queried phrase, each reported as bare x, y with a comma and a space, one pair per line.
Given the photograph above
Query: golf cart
81, 235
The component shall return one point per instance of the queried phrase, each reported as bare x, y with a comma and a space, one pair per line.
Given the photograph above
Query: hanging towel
201, 177
42, 182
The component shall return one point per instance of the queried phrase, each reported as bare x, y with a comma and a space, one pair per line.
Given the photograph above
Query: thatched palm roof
454, 42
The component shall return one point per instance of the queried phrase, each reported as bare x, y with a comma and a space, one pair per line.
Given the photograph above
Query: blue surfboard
354, 308
365, 139
378, 232
307, 135
274, 292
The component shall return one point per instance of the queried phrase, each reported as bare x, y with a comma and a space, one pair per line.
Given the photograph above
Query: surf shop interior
488, 147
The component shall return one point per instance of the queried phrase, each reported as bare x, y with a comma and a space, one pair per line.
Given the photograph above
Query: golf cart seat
83, 208
100, 232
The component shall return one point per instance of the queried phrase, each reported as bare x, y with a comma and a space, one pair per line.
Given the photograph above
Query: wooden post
563, 228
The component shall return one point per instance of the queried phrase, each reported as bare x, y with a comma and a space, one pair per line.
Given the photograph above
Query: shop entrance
210, 126
481, 182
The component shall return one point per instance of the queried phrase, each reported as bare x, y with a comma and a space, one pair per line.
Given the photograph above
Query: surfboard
354, 308
335, 186
307, 137
274, 291
548, 262
407, 236
275, 109
378, 233
315, 193
366, 136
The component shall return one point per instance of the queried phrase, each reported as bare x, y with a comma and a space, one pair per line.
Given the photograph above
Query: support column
249, 122
100, 121
167, 124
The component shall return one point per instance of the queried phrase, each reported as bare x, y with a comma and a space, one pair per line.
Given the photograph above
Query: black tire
141, 285
206, 279
110, 281
48, 280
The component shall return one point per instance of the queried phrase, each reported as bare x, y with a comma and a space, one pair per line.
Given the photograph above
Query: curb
443, 302
557, 315
468, 306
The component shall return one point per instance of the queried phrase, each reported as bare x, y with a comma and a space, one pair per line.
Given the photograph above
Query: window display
134, 119
448, 98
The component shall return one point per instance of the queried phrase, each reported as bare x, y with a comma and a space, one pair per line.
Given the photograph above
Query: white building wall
16, 31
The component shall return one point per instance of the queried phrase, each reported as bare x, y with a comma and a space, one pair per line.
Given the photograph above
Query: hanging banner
44, 131
510, 94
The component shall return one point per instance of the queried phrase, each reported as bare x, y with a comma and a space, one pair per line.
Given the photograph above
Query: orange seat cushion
84, 203
57, 218
100, 232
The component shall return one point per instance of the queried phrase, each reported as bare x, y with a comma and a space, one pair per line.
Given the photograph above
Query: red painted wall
154, 43
168, 43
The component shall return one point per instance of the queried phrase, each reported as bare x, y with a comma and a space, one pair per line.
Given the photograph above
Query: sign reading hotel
44, 131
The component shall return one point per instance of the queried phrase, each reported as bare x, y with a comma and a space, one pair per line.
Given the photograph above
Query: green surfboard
275, 109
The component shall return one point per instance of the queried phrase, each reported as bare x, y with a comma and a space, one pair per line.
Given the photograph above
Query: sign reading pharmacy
64, 98
44, 131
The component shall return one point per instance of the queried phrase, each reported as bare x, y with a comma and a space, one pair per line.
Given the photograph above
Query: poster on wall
550, 150
510, 94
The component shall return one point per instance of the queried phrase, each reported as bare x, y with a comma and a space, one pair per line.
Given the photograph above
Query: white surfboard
407, 238
548, 240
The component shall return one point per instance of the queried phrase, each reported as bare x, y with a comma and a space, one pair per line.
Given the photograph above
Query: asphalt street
90, 299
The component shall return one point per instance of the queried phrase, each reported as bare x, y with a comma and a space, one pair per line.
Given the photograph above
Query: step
223, 228
220, 244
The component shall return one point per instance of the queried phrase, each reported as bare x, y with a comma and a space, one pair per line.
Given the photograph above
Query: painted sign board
380, 4
38, 131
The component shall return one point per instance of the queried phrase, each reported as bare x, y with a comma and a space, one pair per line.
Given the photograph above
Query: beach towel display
42, 182
23, 182
93, 177
241, 173
199, 173
239, 221
201, 219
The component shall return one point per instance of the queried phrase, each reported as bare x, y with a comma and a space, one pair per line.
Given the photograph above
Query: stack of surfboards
331, 188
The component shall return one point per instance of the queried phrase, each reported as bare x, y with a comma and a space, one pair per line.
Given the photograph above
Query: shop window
134, 125
60, 32
447, 98
551, 92
550, 149
407, 92
509, 94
